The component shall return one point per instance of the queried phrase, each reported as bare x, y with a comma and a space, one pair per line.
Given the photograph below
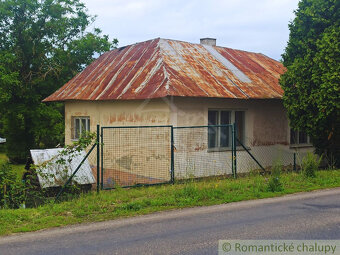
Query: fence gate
136, 155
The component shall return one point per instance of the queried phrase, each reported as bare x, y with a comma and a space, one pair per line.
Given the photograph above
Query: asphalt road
314, 215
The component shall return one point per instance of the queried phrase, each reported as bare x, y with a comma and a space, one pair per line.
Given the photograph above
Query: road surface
313, 215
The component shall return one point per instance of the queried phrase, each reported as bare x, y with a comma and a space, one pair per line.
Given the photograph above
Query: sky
251, 25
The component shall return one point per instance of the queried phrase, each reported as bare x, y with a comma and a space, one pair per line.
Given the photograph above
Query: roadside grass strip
119, 203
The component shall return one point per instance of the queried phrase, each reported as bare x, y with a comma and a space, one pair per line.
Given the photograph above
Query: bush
310, 164
12, 191
274, 184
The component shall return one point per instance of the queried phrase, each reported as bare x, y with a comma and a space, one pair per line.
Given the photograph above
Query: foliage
43, 44
14, 192
11, 194
274, 184
310, 164
311, 82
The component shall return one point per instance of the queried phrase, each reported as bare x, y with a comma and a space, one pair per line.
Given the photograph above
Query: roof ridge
192, 43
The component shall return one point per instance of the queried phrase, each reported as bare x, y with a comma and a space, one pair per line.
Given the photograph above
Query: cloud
260, 26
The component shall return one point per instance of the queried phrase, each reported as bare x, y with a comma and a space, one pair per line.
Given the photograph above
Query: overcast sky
252, 25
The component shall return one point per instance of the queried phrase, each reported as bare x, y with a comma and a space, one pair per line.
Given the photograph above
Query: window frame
232, 118
74, 135
297, 143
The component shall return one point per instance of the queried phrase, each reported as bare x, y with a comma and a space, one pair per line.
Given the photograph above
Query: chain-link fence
254, 155
146, 155
202, 151
135, 155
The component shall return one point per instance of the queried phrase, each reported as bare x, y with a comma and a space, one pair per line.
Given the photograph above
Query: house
169, 82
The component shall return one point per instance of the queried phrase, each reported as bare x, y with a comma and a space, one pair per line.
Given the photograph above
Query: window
80, 125
299, 138
220, 137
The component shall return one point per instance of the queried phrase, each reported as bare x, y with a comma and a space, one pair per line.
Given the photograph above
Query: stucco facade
117, 113
266, 134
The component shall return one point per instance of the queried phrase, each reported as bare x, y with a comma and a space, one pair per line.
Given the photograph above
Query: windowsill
238, 148
302, 145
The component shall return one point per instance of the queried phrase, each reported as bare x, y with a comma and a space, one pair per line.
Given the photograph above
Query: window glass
225, 131
83, 126
293, 136
77, 129
239, 121
212, 131
212, 118
302, 137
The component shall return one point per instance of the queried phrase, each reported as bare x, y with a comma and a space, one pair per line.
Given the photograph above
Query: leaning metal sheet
56, 174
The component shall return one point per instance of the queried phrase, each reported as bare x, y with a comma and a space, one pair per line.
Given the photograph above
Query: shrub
12, 191
274, 184
310, 164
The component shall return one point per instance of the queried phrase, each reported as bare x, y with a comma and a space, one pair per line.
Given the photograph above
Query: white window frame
75, 135
232, 120
297, 143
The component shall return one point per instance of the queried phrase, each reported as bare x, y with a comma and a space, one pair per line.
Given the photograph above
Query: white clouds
254, 25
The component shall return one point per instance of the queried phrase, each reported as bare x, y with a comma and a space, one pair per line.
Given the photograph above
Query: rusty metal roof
161, 67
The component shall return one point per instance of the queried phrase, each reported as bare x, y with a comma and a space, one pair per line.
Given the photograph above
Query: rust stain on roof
161, 67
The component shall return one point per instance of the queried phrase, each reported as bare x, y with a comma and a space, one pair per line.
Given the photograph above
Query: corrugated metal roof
162, 67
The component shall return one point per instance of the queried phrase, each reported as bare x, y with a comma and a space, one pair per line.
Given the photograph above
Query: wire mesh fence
135, 155
257, 155
202, 151
145, 155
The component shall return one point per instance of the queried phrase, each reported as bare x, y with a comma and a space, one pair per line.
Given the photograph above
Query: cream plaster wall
266, 135
131, 156
146, 154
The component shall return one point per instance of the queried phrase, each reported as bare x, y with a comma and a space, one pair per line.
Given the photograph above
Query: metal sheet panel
162, 67
54, 175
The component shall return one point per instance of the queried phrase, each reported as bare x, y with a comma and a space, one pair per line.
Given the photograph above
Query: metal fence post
74, 173
172, 156
294, 166
232, 149
98, 158
102, 160
235, 145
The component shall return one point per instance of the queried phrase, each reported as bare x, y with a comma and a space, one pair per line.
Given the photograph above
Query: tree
311, 82
43, 44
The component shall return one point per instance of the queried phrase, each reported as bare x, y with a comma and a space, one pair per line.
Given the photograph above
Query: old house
169, 82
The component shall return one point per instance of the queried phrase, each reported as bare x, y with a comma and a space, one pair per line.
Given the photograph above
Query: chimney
208, 41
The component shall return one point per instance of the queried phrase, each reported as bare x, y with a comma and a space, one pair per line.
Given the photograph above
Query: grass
120, 203
18, 168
